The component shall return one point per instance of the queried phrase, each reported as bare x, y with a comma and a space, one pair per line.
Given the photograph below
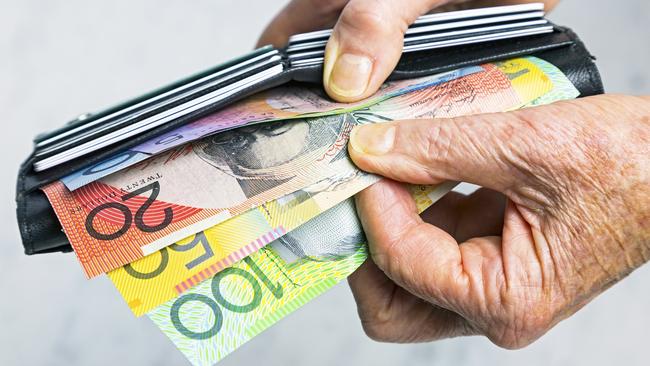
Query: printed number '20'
220, 300
128, 216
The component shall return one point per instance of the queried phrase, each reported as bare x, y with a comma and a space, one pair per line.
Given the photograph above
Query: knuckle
385, 252
523, 330
378, 331
361, 18
435, 146
327, 7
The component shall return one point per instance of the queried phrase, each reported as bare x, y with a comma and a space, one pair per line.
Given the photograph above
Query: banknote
159, 277
294, 101
483, 92
138, 211
502, 87
206, 328
135, 212
563, 89
219, 315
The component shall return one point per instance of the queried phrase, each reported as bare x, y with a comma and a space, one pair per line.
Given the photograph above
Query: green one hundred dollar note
219, 315
563, 89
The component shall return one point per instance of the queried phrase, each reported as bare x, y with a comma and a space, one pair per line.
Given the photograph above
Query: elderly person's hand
565, 212
367, 39
566, 216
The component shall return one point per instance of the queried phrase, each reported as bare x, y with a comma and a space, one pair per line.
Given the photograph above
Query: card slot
476, 22
174, 100
475, 31
439, 18
320, 45
475, 13
316, 57
478, 39
89, 118
151, 123
432, 28
157, 101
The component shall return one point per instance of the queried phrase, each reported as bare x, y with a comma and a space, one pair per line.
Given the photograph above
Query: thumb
489, 149
366, 44
419, 257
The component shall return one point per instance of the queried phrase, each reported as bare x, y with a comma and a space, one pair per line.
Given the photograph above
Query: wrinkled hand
367, 39
566, 215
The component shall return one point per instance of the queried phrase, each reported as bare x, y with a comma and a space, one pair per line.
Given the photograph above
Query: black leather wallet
41, 231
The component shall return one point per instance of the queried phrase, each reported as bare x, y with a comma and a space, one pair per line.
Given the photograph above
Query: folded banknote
159, 277
218, 315
144, 208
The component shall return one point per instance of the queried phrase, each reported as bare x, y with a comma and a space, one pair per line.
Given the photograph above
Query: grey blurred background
59, 58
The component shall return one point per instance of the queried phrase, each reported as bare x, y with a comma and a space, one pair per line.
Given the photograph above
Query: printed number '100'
219, 299
128, 217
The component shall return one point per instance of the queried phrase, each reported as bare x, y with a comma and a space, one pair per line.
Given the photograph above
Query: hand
367, 39
571, 219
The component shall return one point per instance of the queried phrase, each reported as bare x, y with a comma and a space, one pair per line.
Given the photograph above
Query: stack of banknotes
222, 227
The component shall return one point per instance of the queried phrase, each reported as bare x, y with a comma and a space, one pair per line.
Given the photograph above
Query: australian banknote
295, 101
219, 315
142, 209
162, 276
159, 277
327, 258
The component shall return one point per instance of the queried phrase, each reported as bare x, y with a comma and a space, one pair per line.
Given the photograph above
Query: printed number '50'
128, 216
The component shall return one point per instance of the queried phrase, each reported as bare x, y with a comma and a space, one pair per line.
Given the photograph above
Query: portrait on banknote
337, 234
263, 156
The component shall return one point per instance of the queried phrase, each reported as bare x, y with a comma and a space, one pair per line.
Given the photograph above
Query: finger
300, 16
366, 44
464, 217
389, 313
523, 260
372, 291
417, 256
486, 149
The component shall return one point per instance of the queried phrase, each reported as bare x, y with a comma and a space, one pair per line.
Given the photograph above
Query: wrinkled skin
565, 212
571, 219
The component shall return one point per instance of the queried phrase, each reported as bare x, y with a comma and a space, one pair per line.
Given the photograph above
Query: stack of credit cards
440, 30
92, 132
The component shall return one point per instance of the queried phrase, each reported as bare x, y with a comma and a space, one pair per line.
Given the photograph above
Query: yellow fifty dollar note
159, 277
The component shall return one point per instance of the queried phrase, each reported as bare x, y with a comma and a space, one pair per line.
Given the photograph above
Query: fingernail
347, 75
372, 139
